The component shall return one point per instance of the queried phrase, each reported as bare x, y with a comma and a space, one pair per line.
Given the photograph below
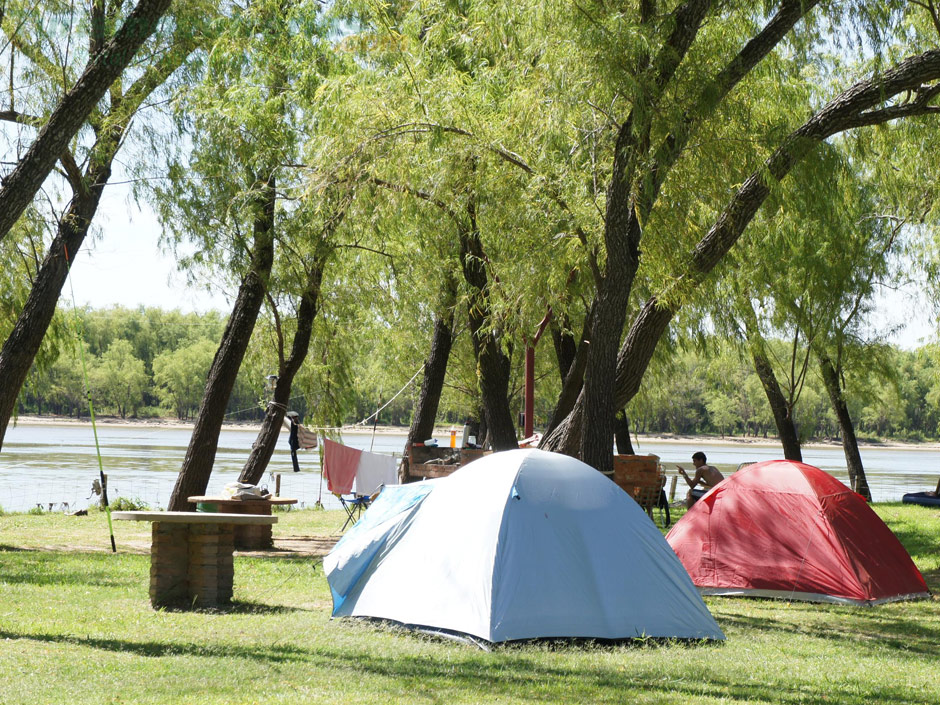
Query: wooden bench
191, 555
248, 537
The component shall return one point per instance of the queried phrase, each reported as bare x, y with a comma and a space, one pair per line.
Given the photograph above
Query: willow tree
457, 125
87, 162
684, 87
226, 195
300, 278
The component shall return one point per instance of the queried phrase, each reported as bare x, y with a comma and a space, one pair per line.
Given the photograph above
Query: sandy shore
175, 424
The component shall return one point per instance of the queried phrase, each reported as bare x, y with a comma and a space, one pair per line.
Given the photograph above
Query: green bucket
210, 507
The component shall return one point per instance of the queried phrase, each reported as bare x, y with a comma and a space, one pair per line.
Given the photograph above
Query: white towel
375, 470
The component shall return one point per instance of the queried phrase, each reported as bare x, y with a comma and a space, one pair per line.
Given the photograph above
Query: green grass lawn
76, 626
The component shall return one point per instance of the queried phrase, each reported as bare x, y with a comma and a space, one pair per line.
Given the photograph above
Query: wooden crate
640, 477
418, 457
468, 455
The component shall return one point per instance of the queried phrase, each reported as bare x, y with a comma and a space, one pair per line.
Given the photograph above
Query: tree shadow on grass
529, 674
237, 607
533, 676
275, 653
919, 541
877, 627
29, 567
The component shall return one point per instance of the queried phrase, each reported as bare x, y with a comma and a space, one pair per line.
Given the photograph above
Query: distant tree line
147, 362
140, 363
720, 393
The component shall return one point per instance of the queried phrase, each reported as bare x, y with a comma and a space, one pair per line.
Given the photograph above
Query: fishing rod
91, 407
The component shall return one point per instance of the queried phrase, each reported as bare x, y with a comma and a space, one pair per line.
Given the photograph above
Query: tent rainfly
789, 530
518, 545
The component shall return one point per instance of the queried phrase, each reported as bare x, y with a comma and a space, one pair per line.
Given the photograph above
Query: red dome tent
787, 529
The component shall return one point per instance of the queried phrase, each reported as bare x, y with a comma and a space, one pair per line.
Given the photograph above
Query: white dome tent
518, 545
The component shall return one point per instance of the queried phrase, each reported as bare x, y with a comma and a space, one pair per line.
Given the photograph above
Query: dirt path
284, 547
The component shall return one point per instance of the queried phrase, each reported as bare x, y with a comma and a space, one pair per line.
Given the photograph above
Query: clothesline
397, 394
364, 421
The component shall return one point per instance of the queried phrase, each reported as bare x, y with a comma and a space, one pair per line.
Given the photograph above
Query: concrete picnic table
247, 536
191, 555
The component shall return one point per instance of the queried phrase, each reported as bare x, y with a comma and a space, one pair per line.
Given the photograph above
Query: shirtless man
706, 475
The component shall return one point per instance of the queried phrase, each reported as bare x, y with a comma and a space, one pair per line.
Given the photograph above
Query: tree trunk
200, 455
780, 407
622, 235
492, 364
263, 447
429, 399
634, 357
622, 433
105, 67
598, 408
783, 414
572, 383
853, 458
566, 349
24, 341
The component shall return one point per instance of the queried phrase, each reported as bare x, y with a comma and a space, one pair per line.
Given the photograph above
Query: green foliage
180, 374
119, 377
144, 362
128, 504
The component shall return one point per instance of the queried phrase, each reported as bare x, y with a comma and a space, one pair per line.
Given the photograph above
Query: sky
125, 267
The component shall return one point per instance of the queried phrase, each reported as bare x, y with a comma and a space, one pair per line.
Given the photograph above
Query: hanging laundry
339, 466
299, 437
374, 471
342, 466
305, 438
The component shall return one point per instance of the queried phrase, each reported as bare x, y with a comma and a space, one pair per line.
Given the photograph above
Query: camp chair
354, 507
643, 478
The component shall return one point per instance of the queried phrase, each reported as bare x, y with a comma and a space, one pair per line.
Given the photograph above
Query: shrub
129, 504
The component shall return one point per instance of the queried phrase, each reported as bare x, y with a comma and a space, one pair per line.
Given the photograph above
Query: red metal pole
529, 390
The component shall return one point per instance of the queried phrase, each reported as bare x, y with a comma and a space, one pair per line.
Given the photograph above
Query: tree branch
278, 330
752, 53
931, 9
418, 193
919, 106
841, 113
21, 185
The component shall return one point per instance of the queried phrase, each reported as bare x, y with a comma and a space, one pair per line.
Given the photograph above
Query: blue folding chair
354, 507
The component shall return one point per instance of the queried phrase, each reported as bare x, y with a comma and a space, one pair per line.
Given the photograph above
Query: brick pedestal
248, 537
191, 565
191, 557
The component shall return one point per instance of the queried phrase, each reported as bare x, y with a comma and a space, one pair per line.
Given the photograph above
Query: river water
55, 465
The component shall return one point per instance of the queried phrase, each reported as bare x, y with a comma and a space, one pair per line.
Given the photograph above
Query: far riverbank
443, 430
